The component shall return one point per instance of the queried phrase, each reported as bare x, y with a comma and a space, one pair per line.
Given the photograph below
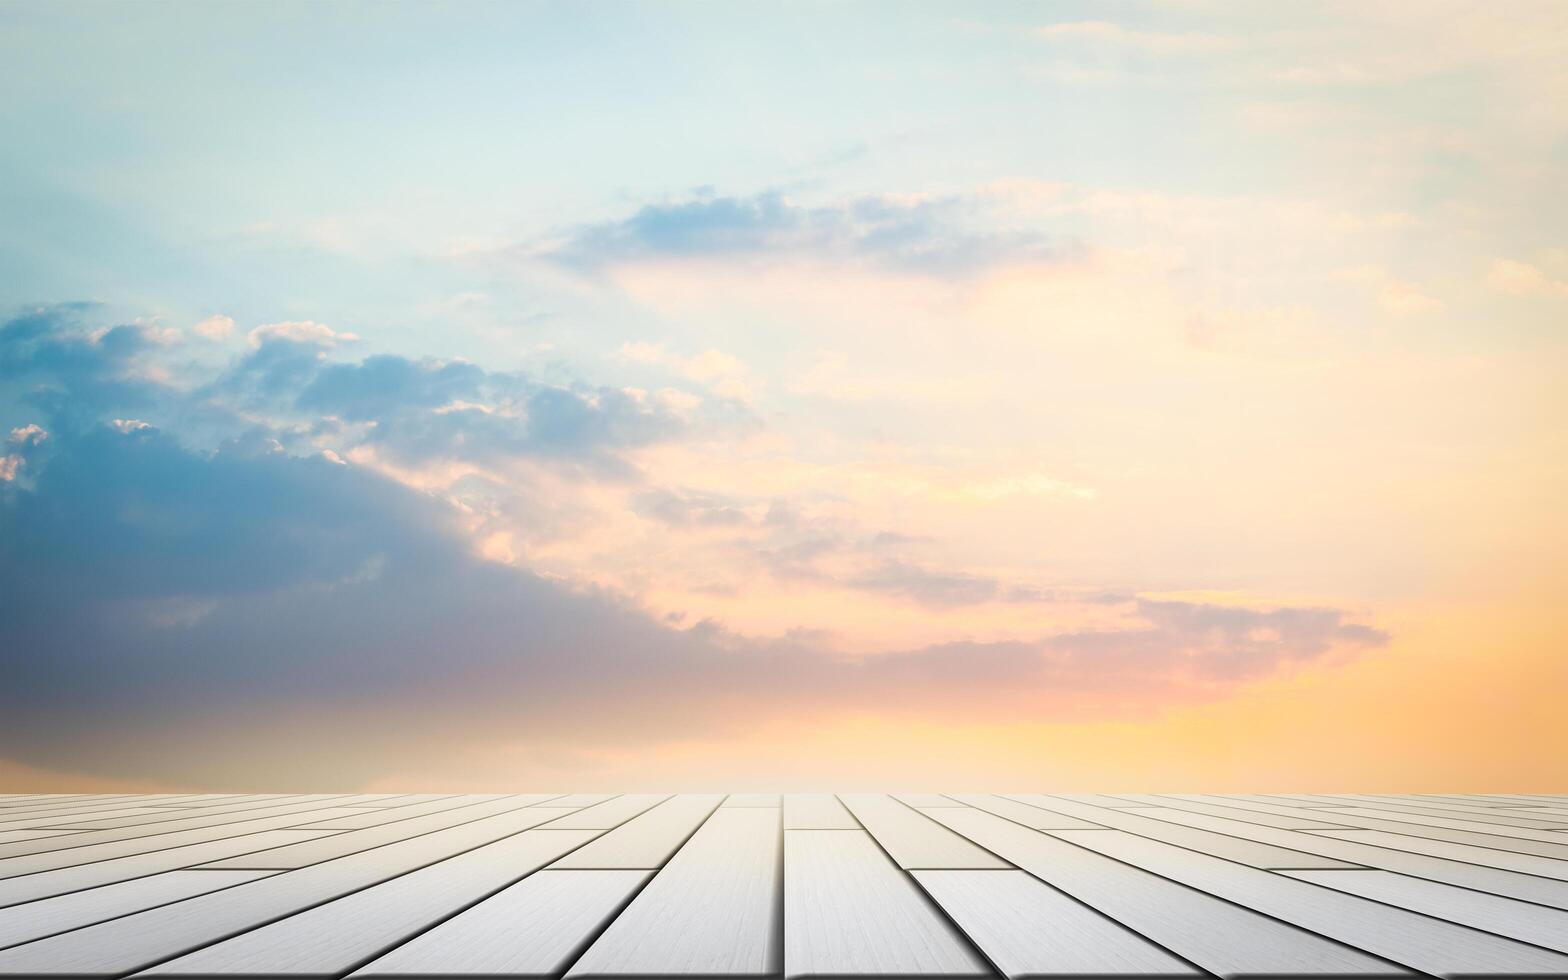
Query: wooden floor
753, 884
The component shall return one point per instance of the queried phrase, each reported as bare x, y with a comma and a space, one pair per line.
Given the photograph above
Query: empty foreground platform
752, 885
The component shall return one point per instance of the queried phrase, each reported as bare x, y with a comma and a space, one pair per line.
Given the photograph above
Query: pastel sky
824, 395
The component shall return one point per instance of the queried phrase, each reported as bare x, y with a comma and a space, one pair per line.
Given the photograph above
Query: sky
477, 396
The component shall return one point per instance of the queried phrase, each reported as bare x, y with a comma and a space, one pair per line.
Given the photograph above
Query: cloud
1105, 33
421, 410
1396, 297
1405, 299
1220, 642
723, 374
28, 435
300, 332
1523, 279
73, 371
148, 589
684, 509
23, 439
796, 546
250, 614
384, 385
216, 328
915, 234
934, 588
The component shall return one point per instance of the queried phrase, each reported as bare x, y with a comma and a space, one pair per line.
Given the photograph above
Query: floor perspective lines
648, 885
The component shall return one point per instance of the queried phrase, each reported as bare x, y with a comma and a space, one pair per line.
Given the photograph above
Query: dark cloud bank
188, 594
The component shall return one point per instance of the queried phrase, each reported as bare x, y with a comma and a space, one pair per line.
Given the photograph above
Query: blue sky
926, 374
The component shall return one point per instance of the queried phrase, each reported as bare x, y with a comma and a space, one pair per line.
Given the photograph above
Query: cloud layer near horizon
257, 580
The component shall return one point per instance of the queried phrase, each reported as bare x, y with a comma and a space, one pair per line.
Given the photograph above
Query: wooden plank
1459, 804
713, 910
579, 800
646, 841
534, 928
14, 818
119, 946
79, 821
72, 856
850, 912
1449, 824
83, 805
46, 884
1030, 816
205, 800
393, 799
1529, 864
39, 799
752, 799
259, 808
1504, 816
1429, 945
175, 832
332, 939
35, 920
1098, 799
816, 811
1266, 804
1317, 821
6, 836
611, 813
1270, 799
1528, 799
1478, 801
1544, 849
1491, 913
1243, 848
354, 841
1527, 886
1225, 939
1241, 808
915, 839
1029, 929
1483, 799
377, 818
922, 800
1539, 817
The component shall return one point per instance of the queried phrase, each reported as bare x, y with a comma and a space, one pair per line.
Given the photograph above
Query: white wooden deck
758, 885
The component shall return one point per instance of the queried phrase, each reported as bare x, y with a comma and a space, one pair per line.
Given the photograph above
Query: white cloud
1399, 298
1396, 297
301, 332
723, 374
1523, 279
215, 328
28, 435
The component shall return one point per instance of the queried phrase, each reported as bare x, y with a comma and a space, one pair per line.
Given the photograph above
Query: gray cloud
795, 547
1220, 642
384, 385
245, 615
686, 508
941, 236
289, 390
73, 373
